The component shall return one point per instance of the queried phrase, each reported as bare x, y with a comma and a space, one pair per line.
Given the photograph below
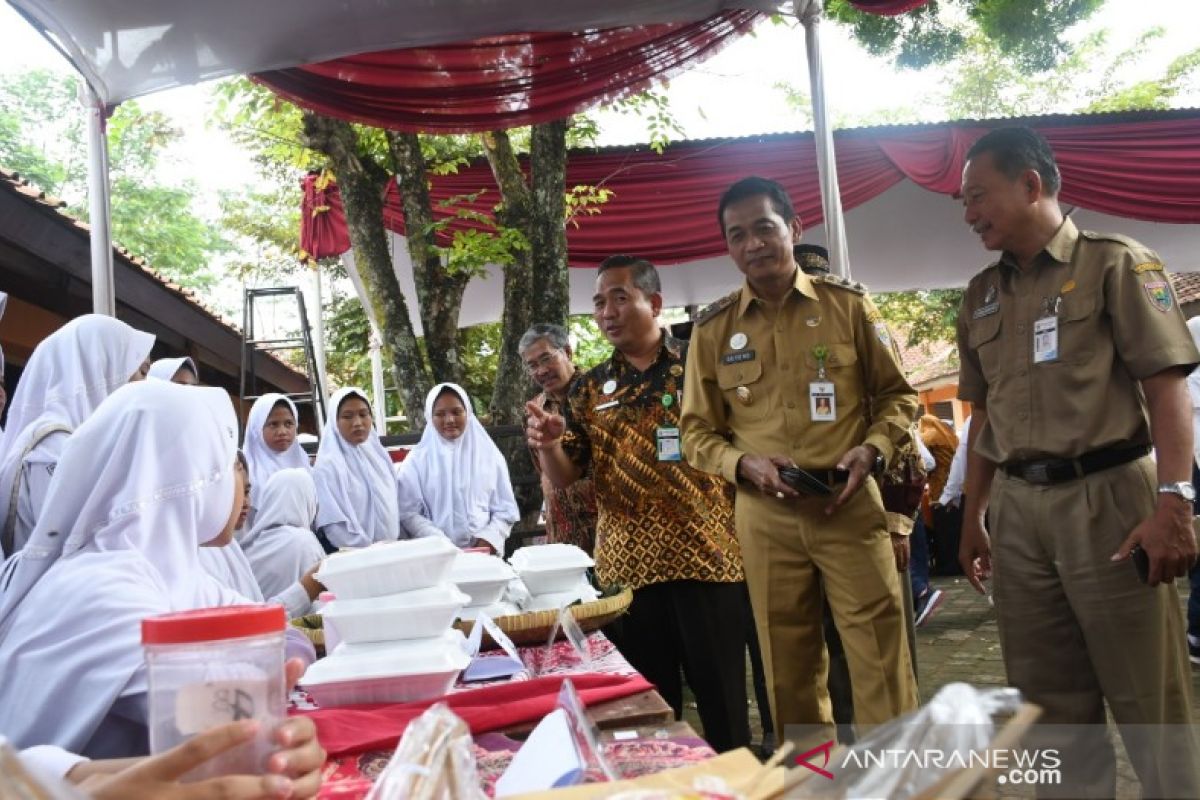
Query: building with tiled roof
45, 267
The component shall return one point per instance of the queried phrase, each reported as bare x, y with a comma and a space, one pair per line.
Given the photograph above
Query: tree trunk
548, 237
362, 182
439, 293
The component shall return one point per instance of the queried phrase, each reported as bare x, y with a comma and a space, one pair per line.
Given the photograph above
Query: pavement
960, 642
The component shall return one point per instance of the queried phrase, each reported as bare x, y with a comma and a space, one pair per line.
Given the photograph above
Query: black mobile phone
1141, 562
803, 481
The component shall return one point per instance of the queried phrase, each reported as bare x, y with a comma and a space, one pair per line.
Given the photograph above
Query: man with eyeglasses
570, 512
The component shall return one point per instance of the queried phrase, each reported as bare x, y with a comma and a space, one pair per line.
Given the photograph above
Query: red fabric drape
323, 231
503, 81
1142, 166
375, 727
888, 8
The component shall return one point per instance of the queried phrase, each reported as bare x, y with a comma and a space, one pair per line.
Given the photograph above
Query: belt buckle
1037, 472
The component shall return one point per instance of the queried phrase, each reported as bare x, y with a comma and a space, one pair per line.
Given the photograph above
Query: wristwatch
1182, 488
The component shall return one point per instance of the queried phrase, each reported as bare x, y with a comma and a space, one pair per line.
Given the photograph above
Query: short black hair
755, 186
645, 276
1016, 149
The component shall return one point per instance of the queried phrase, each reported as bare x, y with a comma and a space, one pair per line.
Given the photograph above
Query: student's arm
418, 526
340, 534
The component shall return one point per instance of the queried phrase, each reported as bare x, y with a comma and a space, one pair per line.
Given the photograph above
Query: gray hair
556, 335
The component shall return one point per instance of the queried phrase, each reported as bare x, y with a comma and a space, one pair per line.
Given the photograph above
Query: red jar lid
213, 624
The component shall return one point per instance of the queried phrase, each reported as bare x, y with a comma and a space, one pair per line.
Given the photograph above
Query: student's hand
310, 583
157, 777
484, 544
763, 472
900, 550
543, 429
975, 553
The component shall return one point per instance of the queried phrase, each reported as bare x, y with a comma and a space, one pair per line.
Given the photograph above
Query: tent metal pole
377, 385
319, 343
100, 210
831, 198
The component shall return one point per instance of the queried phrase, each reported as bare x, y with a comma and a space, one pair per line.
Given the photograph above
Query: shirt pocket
983, 338
1077, 330
748, 377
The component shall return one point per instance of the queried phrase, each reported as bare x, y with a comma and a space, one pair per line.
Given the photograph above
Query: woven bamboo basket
533, 627
530, 628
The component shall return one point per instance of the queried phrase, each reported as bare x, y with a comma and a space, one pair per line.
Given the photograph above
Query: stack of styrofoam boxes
393, 615
484, 578
554, 574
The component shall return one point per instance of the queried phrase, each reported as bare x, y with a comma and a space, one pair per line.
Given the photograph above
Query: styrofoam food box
481, 576
418, 614
387, 672
388, 568
501, 609
555, 600
549, 568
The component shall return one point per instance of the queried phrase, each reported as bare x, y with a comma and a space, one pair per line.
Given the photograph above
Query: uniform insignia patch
1159, 293
881, 330
990, 296
1069, 286
1148, 266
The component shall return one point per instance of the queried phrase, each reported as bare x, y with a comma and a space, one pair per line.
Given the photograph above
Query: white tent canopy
128, 48
906, 238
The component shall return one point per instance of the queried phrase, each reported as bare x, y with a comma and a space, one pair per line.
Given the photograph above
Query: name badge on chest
822, 401
667, 441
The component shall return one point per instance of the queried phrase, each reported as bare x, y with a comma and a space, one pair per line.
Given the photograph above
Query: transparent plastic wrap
433, 761
909, 755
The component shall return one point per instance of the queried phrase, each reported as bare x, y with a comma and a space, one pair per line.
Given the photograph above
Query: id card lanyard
1045, 332
666, 437
822, 400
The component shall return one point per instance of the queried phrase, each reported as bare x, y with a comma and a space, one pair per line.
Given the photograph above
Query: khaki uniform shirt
755, 398
658, 520
1118, 323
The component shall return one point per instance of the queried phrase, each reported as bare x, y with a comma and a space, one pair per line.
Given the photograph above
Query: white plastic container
554, 600
549, 568
213, 666
419, 614
481, 576
387, 672
388, 568
495, 610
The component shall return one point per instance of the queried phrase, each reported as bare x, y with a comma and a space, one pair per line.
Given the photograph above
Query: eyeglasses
545, 360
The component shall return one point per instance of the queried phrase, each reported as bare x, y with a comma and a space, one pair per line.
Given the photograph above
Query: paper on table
548, 759
486, 668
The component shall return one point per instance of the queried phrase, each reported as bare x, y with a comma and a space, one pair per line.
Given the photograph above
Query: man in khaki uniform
1074, 354
792, 370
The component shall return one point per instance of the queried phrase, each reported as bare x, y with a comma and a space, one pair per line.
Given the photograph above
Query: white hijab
165, 368
265, 462
355, 484
281, 546
125, 512
69, 374
227, 565
458, 485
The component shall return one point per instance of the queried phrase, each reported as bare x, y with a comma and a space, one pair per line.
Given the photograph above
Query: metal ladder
249, 389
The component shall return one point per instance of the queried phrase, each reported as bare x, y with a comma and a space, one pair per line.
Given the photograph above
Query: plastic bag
433, 761
906, 756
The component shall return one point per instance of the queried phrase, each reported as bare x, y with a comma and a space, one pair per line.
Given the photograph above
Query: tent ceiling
127, 48
905, 238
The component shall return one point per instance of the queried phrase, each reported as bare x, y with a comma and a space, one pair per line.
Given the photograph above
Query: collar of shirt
1060, 248
545, 400
801, 283
669, 348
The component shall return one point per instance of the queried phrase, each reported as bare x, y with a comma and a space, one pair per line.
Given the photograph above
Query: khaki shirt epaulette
841, 283
1146, 260
712, 310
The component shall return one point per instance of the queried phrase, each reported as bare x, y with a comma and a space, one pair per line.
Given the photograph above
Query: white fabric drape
165, 368
461, 486
356, 487
281, 546
68, 375
127, 510
263, 461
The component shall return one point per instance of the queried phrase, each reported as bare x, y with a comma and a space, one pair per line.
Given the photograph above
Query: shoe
927, 604
1194, 651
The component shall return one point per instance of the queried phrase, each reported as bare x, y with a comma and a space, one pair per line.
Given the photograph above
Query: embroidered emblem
1159, 293
985, 311
1148, 266
1069, 286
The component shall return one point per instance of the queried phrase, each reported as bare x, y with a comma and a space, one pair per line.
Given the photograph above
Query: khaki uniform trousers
791, 551
1077, 629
